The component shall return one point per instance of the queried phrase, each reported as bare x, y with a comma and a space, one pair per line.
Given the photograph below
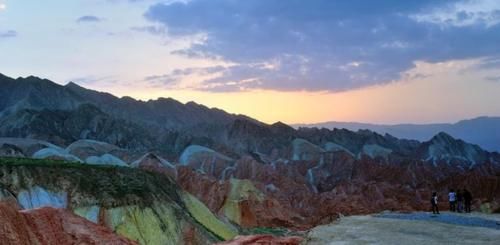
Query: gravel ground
413, 228
449, 218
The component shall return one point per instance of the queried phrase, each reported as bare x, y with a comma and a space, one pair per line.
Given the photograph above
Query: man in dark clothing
434, 199
467, 200
460, 201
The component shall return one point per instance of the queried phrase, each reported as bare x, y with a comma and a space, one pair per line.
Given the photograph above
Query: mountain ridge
44, 110
38, 93
483, 130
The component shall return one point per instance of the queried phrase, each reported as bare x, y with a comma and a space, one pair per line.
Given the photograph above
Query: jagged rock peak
443, 137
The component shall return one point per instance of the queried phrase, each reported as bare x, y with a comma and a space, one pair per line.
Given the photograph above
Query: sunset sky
292, 61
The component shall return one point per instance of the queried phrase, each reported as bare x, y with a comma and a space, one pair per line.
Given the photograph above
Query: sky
293, 61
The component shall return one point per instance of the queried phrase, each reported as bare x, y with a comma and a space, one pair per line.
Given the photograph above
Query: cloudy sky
295, 61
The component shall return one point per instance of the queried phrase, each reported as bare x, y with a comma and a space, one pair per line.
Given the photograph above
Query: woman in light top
452, 198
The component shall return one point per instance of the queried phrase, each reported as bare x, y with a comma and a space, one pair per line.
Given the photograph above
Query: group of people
460, 201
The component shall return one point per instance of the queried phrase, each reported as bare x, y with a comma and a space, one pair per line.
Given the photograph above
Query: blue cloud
87, 80
320, 44
88, 18
172, 79
155, 30
8, 34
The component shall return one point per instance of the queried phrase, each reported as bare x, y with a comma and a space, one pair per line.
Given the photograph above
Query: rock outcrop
155, 163
56, 154
106, 159
8, 150
263, 239
205, 160
142, 206
24, 147
445, 148
52, 226
87, 148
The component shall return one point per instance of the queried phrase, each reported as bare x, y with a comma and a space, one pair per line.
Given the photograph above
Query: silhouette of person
467, 200
460, 201
452, 198
434, 201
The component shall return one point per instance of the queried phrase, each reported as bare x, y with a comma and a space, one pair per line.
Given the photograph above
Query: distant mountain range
483, 131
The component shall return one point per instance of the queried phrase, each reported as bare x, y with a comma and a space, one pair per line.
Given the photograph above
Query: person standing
467, 200
434, 202
460, 201
452, 198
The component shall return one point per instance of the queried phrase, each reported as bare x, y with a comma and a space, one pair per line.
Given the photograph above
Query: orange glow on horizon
446, 95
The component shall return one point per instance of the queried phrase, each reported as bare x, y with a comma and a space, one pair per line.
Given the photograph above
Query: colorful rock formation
52, 226
303, 194
142, 206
